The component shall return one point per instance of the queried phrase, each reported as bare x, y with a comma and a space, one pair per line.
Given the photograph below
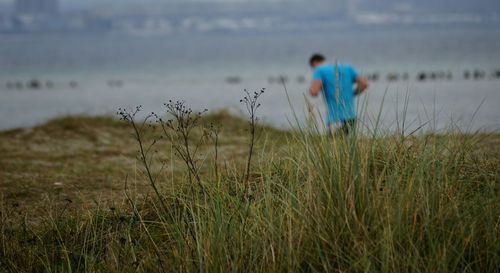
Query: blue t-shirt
340, 106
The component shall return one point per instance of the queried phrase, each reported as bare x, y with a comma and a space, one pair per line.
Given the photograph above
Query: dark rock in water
467, 74
374, 77
405, 76
118, 83
301, 79
233, 80
282, 79
49, 84
73, 84
19, 85
496, 74
34, 84
392, 77
479, 74
115, 83
433, 76
422, 76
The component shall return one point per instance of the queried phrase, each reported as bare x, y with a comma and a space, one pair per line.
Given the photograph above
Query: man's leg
348, 126
334, 128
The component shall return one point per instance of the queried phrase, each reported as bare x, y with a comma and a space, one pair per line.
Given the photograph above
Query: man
339, 84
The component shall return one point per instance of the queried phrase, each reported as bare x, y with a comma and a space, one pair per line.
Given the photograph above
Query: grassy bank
88, 158
78, 196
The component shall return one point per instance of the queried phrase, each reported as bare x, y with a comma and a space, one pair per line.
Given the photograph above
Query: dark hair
316, 58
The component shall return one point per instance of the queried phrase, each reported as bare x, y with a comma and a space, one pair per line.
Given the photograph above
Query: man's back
338, 91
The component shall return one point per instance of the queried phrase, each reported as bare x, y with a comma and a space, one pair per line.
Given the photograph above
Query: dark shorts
342, 127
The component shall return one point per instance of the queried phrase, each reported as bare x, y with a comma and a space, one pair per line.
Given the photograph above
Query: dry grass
426, 203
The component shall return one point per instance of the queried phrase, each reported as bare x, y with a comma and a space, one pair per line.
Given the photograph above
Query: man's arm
361, 85
316, 87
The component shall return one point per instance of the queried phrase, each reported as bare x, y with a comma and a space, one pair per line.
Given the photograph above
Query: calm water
97, 73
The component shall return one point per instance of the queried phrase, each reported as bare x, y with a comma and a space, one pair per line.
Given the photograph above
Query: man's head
316, 59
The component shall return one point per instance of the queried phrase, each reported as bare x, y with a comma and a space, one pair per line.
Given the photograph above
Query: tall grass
421, 203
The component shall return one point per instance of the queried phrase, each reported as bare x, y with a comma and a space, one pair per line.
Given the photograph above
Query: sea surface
46, 75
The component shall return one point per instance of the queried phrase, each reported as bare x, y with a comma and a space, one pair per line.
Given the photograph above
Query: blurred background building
36, 7
180, 16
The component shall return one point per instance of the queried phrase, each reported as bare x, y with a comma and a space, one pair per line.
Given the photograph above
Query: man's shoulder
329, 67
324, 67
345, 66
